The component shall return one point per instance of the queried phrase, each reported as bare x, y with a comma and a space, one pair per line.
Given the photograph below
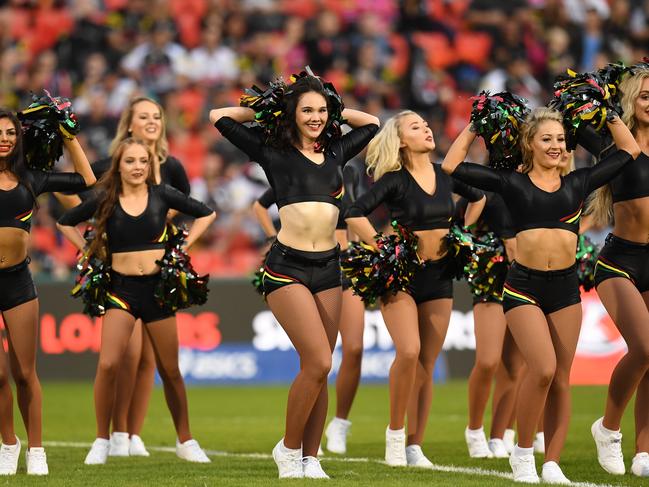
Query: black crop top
127, 233
292, 175
409, 204
172, 172
530, 206
17, 204
495, 217
267, 199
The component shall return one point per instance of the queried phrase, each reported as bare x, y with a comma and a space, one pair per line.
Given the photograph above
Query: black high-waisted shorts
16, 286
135, 295
623, 258
549, 290
318, 271
432, 281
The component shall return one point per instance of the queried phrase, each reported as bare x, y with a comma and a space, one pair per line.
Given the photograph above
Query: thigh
628, 310
529, 327
164, 339
21, 323
489, 328
565, 325
352, 320
434, 317
329, 304
401, 319
296, 310
134, 347
116, 330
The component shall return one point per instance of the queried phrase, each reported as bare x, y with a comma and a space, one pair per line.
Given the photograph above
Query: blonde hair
600, 204
529, 129
384, 152
161, 148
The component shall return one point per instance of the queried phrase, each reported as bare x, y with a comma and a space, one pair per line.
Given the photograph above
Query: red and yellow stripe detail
517, 295
339, 193
573, 217
118, 302
23, 217
277, 277
162, 237
609, 266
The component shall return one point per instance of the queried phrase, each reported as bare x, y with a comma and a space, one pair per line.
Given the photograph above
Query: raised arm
474, 210
458, 150
79, 160
68, 222
204, 216
238, 114
356, 118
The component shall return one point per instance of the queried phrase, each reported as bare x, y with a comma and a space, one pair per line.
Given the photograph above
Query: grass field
239, 427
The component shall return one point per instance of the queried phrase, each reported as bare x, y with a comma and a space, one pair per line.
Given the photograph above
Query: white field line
267, 456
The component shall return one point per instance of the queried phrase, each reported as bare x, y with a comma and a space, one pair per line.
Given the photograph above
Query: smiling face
641, 105
134, 165
548, 144
146, 122
8, 137
311, 115
415, 134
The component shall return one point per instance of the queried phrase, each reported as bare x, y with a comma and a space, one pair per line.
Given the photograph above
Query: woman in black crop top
143, 119
419, 196
622, 282
130, 213
19, 188
541, 293
302, 272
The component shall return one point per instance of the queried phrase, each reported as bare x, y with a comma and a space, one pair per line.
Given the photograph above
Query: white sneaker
191, 451
509, 438
477, 444
320, 451
136, 447
640, 464
98, 453
539, 443
609, 449
336, 434
497, 448
9, 455
395, 448
289, 461
36, 461
119, 444
416, 458
552, 474
312, 469
524, 469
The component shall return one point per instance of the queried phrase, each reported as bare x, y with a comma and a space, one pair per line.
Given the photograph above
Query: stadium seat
437, 48
473, 47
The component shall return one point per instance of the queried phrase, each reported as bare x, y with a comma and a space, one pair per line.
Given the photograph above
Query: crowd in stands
382, 55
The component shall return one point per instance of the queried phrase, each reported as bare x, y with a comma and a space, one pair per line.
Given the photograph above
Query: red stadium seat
438, 50
473, 47
401, 57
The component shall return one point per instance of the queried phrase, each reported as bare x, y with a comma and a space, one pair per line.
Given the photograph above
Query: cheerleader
541, 293
418, 196
130, 212
303, 161
622, 282
19, 188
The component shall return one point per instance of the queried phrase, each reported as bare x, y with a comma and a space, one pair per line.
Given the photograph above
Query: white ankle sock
519, 452
478, 431
606, 430
400, 432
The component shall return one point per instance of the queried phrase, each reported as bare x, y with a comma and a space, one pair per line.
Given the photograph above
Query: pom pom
586, 258
390, 269
45, 122
93, 281
180, 286
497, 119
588, 98
269, 107
487, 268
258, 277
460, 246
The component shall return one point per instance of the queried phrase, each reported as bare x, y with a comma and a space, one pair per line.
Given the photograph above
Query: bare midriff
431, 244
14, 243
632, 220
309, 226
546, 249
139, 263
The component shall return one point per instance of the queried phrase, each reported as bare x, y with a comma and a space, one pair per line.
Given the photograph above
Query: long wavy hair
109, 188
288, 133
600, 204
384, 152
529, 130
15, 163
162, 144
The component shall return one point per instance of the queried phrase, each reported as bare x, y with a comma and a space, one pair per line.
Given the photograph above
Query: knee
147, 364
640, 355
485, 367
408, 354
108, 368
171, 374
543, 376
353, 354
317, 368
4, 378
24, 375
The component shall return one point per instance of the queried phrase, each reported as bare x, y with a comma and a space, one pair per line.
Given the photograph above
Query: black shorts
318, 271
16, 286
623, 258
433, 280
549, 290
487, 298
135, 295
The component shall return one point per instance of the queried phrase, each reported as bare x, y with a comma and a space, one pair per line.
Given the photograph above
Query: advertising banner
235, 339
